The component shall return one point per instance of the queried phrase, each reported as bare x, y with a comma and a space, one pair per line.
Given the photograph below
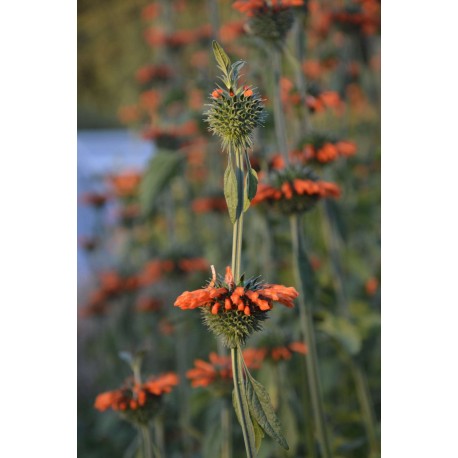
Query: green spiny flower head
235, 110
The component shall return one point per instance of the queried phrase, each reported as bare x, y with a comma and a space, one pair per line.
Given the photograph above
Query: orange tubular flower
233, 310
218, 370
241, 298
137, 402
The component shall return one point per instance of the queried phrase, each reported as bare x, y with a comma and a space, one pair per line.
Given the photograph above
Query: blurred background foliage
152, 219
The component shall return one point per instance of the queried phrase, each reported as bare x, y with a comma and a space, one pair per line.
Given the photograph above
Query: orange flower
133, 396
217, 93
346, 149
227, 296
247, 92
126, 183
208, 204
371, 286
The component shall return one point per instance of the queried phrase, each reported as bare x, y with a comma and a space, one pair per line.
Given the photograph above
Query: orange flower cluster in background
154, 269
297, 187
134, 395
111, 285
229, 298
209, 204
125, 184
251, 7
327, 152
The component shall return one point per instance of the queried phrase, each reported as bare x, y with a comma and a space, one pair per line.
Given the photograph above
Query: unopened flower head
234, 310
235, 111
294, 189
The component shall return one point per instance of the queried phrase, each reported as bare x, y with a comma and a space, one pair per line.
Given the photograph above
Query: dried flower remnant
233, 310
137, 402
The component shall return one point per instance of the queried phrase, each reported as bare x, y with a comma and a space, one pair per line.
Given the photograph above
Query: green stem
240, 396
280, 127
238, 225
147, 443
364, 397
306, 324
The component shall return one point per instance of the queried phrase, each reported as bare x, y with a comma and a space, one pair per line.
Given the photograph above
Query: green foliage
163, 167
262, 411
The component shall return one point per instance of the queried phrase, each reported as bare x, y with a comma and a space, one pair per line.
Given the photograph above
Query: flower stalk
306, 323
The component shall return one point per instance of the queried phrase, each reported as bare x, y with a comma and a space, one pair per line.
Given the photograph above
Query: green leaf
162, 168
250, 188
235, 68
262, 411
258, 432
221, 57
232, 189
244, 400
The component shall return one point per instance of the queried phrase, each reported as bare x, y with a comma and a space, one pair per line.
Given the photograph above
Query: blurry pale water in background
100, 154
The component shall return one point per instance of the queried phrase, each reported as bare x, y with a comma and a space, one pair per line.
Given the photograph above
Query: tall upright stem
236, 354
280, 127
306, 324
147, 443
239, 389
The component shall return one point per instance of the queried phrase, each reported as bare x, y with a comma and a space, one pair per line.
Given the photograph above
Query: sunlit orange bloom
371, 286
247, 92
155, 36
133, 396
162, 383
125, 184
327, 153
298, 187
209, 204
222, 299
345, 148
298, 347
216, 94
330, 99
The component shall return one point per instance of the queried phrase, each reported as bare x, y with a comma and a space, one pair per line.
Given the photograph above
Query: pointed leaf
262, 410
235, 68
221, 57
233, 189
258, 433
250, 188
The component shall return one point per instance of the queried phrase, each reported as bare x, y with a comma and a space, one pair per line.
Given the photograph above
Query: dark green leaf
221, 57
262, 411
251, 187
162, 168
235, 68
233, 188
